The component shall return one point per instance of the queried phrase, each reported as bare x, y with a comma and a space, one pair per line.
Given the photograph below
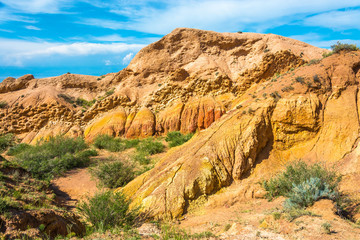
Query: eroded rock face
258, 137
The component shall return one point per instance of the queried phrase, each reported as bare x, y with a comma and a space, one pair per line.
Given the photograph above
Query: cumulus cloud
16, 52
127, 58
226, 15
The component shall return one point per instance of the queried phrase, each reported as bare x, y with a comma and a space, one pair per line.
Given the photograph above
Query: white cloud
107, 62
36, 6
317, 40
338, 20
30, 27
17, 52
127, 58
225, 15
112, 38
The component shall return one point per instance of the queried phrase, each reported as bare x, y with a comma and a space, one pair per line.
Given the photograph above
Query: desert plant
3, 104
107, 210
299, 80
150, 146
297, 173
338, 47
314, 61
141, 158
326, 227
6, 141
114, 144
306, 193
3, 205
176, 138
54, 156
14, 150
114, 174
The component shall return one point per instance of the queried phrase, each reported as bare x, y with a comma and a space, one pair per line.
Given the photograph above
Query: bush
114, 144
176, 138
18, 149
3, 205
306, 193
107, 210
114, 174
3, 104
338, 47
150, 147
6, 141
298, 173
55, 156
141, 158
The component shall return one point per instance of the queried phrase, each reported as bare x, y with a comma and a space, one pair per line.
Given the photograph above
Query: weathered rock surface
254, 140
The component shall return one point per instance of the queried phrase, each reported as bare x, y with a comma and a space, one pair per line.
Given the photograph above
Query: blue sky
53, 37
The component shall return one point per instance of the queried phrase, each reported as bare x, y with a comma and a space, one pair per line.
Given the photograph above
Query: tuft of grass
326, 227
107, 210
55, 156
3, 104
6, 141
300, 80
176, 138
114, 174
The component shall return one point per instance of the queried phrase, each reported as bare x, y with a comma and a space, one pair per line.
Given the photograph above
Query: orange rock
143, 124
112, 123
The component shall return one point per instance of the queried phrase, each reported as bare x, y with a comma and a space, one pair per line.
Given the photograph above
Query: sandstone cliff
185, 81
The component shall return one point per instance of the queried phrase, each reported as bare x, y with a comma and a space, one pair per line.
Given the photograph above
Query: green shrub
176, 138
18, 149
338, 47
114, 174
141, 158
6, 141
298, 173
150, 146
307, 193
3, 104
114, 144
55, 156
3, 205
108, 210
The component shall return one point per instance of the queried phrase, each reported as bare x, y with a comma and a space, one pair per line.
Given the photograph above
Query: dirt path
76, 185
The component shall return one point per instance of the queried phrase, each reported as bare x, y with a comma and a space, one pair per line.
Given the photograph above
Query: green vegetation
176, 138
6, 141
53, 157
14, 150
313, 61
298, 173
326, 227
114, 144
149, 146
78, 101
3, 104
338, 47
300, 80
303, 185
114, 174
107, 210
110, 92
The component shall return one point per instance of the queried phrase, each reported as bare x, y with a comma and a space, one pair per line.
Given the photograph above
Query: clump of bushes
303, 185
54, 156
6, 141
149, 146
107, 210
14, 150
296, 174
78, 101
176, 138
114, 174
336, 48
114, 144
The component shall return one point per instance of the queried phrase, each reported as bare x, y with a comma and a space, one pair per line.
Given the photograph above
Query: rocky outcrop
257, 137
143, 124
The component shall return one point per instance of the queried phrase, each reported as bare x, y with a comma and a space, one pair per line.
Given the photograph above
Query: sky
94, 37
